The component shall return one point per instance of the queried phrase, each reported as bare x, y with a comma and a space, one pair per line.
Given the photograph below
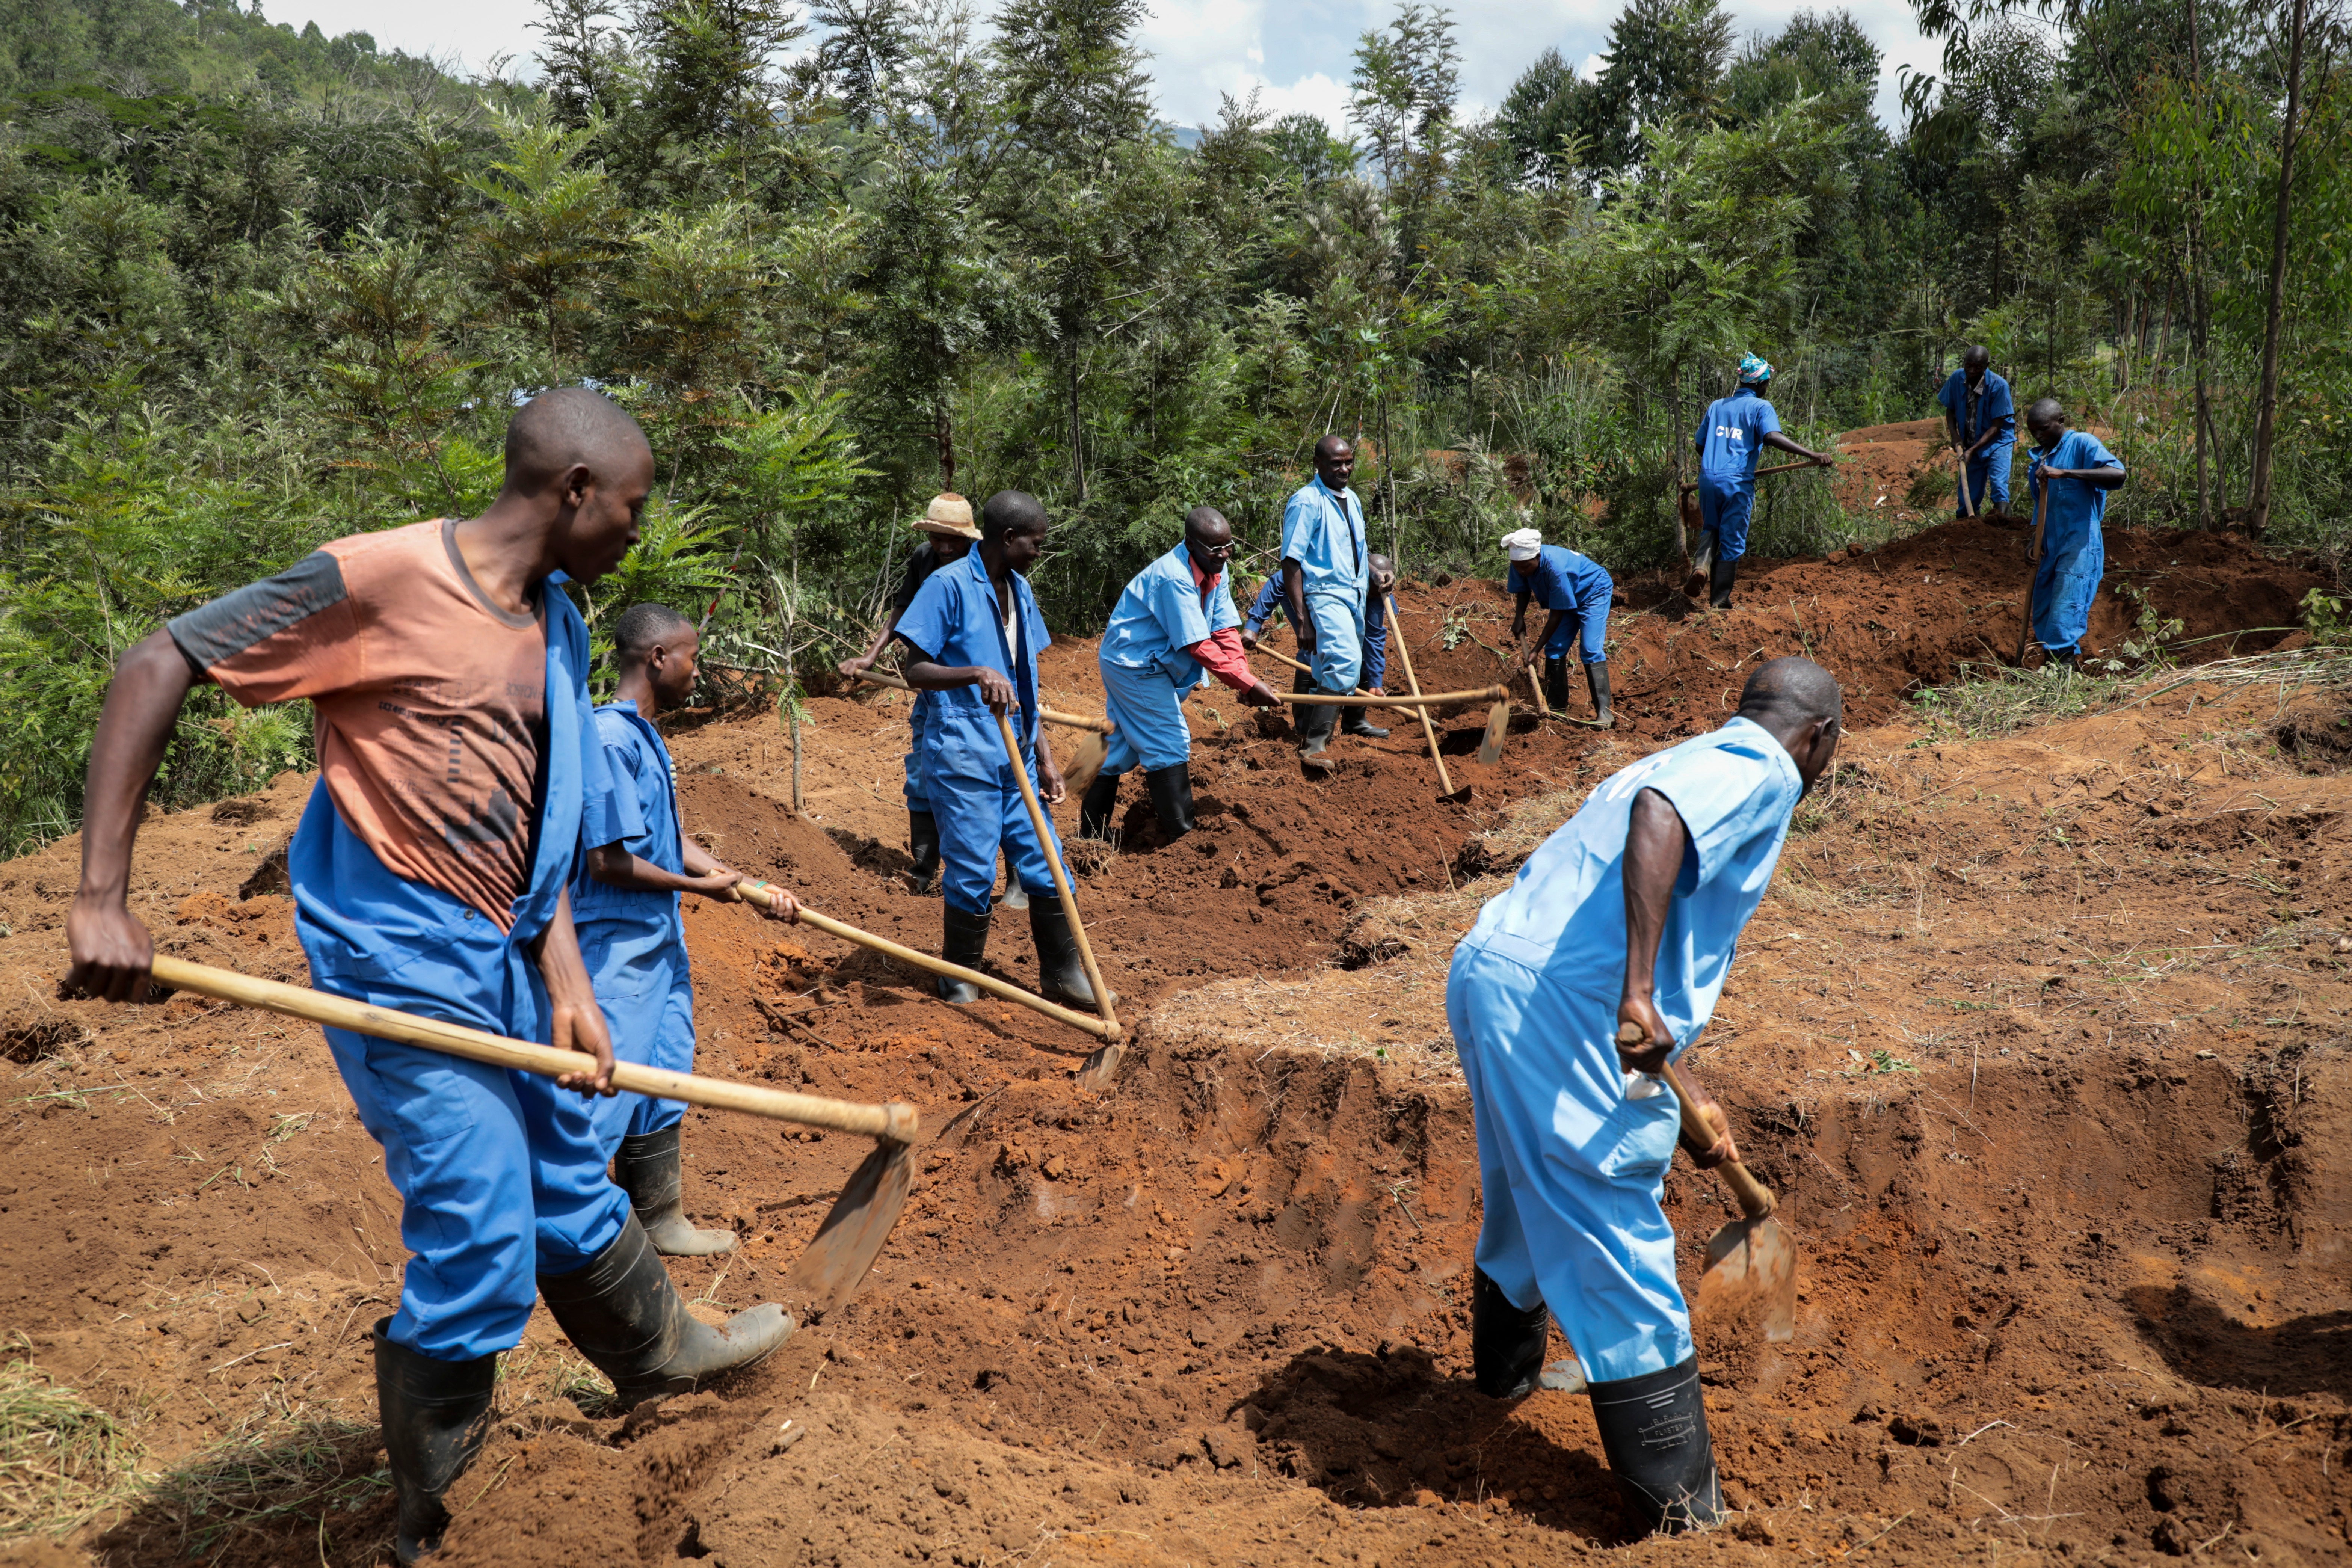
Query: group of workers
487, 848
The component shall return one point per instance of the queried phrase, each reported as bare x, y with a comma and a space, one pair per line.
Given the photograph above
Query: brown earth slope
2042, 1039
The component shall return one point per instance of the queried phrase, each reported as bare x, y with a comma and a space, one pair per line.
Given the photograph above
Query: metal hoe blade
1752, 1264
1498, 720
845, 1245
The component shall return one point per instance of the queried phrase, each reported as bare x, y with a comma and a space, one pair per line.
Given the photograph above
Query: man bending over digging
1649, 885
457, 753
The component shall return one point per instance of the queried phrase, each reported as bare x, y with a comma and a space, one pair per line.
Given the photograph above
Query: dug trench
2040, 1037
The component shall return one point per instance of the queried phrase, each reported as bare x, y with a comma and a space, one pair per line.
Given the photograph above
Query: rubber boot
1171, 798
1016, 897
923, 849
1596, 680
2066, 661
1352, 722
647, 1170
435, 1415
1556, 683
1095, 810
623, 1313
1719, 580
1061, 972
1654, 1429
966, 938
1506, 1343
1312, 722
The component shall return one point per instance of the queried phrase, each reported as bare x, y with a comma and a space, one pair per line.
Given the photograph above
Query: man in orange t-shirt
446, 667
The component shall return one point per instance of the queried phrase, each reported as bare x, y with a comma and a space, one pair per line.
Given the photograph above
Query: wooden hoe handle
897, 1122
1404, 656
761, 894
1427, 700
1755, 1199
1046, 841
1050, 715
1775, 469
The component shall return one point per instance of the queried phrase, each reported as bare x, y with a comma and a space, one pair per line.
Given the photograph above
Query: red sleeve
1222, 657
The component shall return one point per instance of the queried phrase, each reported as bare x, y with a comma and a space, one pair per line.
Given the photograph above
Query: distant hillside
210, 48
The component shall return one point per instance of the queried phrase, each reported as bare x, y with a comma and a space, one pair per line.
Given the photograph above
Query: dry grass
63, 1461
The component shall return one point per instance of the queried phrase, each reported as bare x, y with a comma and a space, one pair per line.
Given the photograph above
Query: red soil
2068, 1182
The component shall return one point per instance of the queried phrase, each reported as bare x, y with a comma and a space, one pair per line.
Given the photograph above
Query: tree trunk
2258, 502
2161, 368
943, 433
1388, 490
1078, 433
2198, 330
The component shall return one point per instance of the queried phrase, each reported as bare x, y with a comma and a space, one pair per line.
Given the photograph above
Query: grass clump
284, 1475
63, 1461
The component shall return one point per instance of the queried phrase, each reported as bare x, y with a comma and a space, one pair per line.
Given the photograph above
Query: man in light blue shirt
1981, 418
1374, 675
1629, 913
1324, 571
1173, 627
2078, 471
1730, 439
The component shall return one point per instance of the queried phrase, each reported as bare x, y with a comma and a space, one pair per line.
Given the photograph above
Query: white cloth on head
1525, 544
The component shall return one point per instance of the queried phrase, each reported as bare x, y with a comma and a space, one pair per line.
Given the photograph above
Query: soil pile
2040, 1040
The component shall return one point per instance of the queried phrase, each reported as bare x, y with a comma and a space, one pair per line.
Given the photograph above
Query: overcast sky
1200, 47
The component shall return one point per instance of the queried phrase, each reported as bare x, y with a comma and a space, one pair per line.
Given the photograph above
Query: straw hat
949, 513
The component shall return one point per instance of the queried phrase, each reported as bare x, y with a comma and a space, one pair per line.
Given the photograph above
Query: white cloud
476, 31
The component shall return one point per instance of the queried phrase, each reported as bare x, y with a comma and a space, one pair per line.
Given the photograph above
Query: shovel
1750, 1262
846, 1245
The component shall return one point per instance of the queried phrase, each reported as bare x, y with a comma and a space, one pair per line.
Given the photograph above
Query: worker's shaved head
1790, 691
570, 427
1976, 357
1332, 445
644, 627
1011, 511
2047, 411
1207, 524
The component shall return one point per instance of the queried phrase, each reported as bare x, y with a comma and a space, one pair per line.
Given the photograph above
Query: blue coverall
1146, 671
1268, 605
1988, 475
1729, 440
634, 939
957, 620
500, 1174
1560, 579
2073, 555
1324, 532
1572, 1150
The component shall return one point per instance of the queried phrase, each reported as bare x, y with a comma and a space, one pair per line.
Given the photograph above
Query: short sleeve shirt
1323, 531
1162, 612
919, 567
1992, 406
1733, 435
640, 815
956, 621
1564, 915
2077, 508
1560, 579
430, 755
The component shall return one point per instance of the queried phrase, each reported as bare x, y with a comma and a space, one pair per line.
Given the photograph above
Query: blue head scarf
1753, 371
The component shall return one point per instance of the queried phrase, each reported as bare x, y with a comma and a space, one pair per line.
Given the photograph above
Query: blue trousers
647, 992
1338, 619
977, 817
918, 723
2064, 588
1576, 627
1571, 1166
1149, 709
1987, 478
1725, 507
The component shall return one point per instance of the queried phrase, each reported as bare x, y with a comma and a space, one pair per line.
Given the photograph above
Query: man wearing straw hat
948, 521
1575, 592
1173, 627
1730, 439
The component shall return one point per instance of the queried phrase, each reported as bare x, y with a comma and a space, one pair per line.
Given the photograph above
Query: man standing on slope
1982, 422
1629, 913
1374, 675
2078, 471
1730, 439
1173, 627
948, 521
636, 860
975, 635
1325, 575
431, 872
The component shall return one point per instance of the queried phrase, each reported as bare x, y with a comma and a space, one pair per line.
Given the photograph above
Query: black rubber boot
2066, 661
1061, 972
1654, 1429
434, 1415
1171, 798
623, 1313
1352, 722
1095, 809
923, 849
1596, 680
1312, 722
1719, 580
1506, 1343
966, 938
1556, 683
646, 1169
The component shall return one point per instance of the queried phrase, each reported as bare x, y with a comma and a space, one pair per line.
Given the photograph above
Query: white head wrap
1524, 545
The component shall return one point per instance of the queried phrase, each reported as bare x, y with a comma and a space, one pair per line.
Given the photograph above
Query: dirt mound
2040, 1039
